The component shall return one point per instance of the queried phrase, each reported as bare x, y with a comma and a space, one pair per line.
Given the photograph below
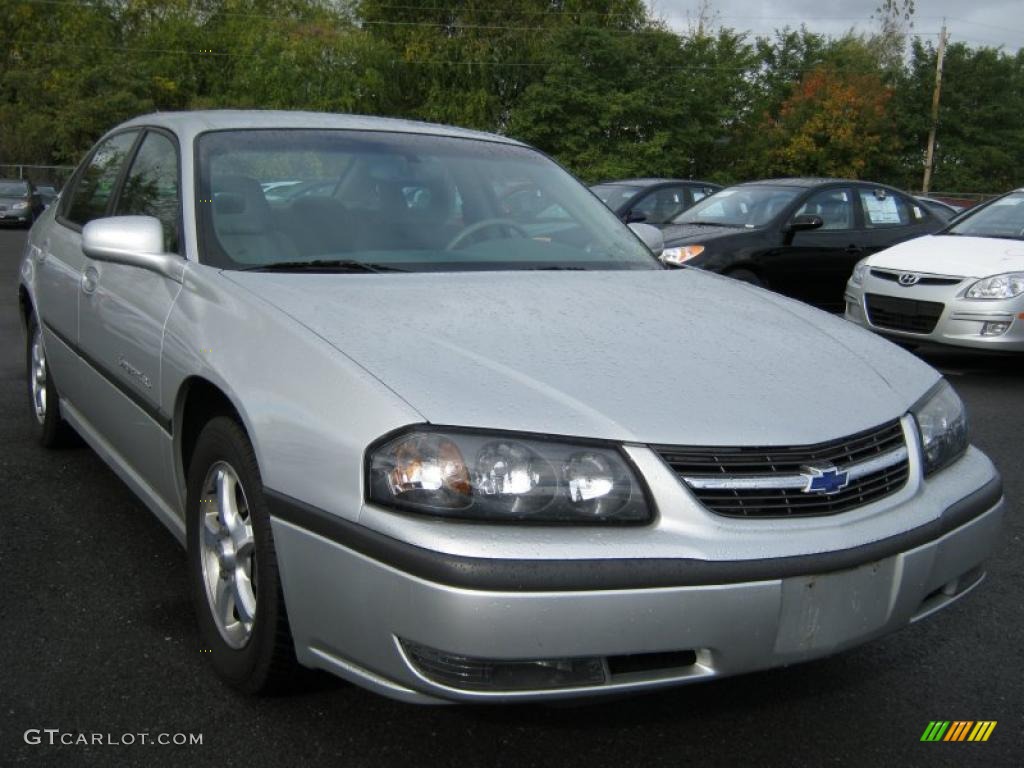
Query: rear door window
882, 209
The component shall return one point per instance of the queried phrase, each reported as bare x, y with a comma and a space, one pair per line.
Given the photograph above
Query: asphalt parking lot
98, 637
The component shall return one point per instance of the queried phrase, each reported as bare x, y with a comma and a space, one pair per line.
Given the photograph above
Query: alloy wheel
227, 554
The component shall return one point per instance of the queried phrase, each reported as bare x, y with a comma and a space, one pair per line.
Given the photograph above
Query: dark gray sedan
652, 201
19, 202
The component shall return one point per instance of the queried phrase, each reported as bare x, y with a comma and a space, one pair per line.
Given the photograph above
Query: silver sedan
962, 287
452, 451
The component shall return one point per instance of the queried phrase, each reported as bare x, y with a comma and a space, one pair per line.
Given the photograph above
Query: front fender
309, 410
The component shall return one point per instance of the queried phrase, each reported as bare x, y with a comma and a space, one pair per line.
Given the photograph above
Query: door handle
854, 249
90, 279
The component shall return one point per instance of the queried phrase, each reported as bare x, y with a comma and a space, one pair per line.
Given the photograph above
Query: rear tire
236, 589
746, 276
51, 430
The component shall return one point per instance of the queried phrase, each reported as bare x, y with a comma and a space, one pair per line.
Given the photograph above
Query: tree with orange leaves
833, 124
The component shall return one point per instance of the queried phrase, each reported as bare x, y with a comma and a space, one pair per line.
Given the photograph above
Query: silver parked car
962, 287
449, 454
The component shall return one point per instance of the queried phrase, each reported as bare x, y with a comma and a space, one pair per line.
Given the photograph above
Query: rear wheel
236, 589
746, 276
51, 430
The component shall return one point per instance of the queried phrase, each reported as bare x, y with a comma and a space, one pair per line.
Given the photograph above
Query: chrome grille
922, 279
773, 481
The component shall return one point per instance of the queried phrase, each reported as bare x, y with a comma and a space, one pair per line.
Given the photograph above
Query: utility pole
929, 160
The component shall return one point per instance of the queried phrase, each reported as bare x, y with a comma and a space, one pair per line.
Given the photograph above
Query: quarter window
95, 185
151, 188
662, 204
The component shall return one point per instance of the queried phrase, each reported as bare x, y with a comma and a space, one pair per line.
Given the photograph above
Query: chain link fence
52, 175
962, 199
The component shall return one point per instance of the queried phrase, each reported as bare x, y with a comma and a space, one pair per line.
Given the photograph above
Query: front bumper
960, 324
353, 595
15, 217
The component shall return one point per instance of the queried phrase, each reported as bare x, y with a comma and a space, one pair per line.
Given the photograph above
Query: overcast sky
975, 22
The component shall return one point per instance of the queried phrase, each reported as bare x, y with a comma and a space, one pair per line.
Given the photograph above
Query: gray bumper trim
506, 575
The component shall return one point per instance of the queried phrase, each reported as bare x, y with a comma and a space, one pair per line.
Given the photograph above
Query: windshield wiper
706, 224
323, 265
557, 268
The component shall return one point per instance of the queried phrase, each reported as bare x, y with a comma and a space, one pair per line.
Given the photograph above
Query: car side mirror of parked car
804, 222
652, 237
135, 241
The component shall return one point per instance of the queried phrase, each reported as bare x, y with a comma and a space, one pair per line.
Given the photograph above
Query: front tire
51, 430
236, 590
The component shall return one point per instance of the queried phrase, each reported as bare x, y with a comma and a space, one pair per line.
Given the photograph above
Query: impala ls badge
909, 278
134, 372
825, 479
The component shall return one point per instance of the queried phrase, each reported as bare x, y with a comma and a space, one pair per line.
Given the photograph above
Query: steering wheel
481, 225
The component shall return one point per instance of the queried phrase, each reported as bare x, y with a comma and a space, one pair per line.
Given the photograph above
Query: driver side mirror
804, 222
652, 237
134, 241
635, 217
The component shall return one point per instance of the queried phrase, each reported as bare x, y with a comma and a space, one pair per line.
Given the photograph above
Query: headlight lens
19, 206
942, 422
859, 270
999, 287
508, 478
681, 254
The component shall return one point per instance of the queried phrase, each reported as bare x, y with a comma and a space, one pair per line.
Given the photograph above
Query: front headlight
942, 422
681, 254
859, 270
19, 206
505, 478
998, 287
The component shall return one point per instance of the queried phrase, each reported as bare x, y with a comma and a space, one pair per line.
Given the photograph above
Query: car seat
244, 223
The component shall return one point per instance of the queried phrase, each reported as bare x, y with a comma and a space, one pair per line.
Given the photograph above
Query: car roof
190, 124
653, 181
803, 181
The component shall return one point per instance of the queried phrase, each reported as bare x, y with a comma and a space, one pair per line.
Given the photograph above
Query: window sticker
881, 210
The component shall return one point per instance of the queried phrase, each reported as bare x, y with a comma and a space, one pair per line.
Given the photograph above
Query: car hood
680, 234
9, 201
953, 255
677, 356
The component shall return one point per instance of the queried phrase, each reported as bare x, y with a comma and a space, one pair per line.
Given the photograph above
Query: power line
362, 25
990, 26
352, 9
358, 23
350, 13
756, 68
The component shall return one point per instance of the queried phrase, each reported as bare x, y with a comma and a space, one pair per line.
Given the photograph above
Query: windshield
745, 206
398, 202
614, 195
13, 189
1002, 218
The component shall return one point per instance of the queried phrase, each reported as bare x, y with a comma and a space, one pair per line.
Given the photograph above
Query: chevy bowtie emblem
824, 479
909, 278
